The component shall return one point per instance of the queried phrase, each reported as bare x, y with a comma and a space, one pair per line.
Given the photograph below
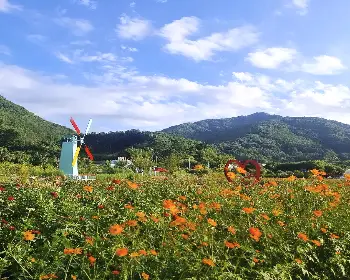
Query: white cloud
88, 3
133, 28
125, 48
63, 57
324, 65
78, 27
6, 6
4, 50
301, 5
132, 5
36, 38
79, 56
271, 58
204, 48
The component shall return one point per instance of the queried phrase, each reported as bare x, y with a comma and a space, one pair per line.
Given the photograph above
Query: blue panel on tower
69, 146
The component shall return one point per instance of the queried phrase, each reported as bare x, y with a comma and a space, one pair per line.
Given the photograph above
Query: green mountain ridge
271, 137
258, 136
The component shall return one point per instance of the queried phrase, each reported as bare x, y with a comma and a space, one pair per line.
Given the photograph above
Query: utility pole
189, 164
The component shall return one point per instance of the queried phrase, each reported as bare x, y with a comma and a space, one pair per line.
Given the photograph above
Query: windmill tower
71, 146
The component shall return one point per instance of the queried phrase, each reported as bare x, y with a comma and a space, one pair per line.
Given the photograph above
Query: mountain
271, 137
25, 137
22, 127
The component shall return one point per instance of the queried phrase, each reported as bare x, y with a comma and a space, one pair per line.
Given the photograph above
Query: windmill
71, 146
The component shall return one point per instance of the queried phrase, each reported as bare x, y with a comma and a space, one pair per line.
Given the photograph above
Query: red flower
100, 206
12, 228
11, 198
110, 188
115, 272
54, 194
2, 189
116, 181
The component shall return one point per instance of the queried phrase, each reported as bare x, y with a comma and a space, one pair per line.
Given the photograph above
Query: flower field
180, 227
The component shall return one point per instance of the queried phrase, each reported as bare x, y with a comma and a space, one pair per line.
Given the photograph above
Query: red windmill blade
75, 126
87, 150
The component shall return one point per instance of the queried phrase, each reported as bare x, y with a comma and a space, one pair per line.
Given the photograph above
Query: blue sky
150, 64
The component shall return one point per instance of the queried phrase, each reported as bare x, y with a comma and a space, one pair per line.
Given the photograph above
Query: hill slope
19, 127
270, 137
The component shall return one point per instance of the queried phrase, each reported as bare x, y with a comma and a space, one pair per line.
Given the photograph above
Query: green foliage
61, 214
272, 138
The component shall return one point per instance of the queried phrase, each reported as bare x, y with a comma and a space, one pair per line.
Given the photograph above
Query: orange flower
153, 252
48, 276
241, 170
255, 233
72, 251
28, 235
315, 172
291, 178
116, 229
212, 222
255, 260
184, 236
276, 212
145, 276
92, 260
89, 240
232, 245
282, 224
318, 213
232, 230
132, 185
73, 277
154, 219
88, 189
182, 197
208, 262
316, 242
231, 175
128, 206
323, 230
134, 254
303, 236
131, 223
265, 216
334, 236
121, 252
143, 252
299, 261
248, 210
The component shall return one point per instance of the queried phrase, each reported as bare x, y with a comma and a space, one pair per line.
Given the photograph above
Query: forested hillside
272, 138
26, 137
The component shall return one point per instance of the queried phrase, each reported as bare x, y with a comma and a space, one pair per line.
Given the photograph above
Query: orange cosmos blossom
255, 233
232, 245
122, 252
208, 262
153, 252
92, 260
72, 251
132, 185
145, 275
241, 170
212, 222
316, 242
116, 229
248, 210
28, 235
48, 276
303, 236
231, 175
318, 213
231, 229
88, 189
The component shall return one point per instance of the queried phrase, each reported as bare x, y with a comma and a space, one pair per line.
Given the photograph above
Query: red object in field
75, 125
87, 150
160, 169
243, 164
